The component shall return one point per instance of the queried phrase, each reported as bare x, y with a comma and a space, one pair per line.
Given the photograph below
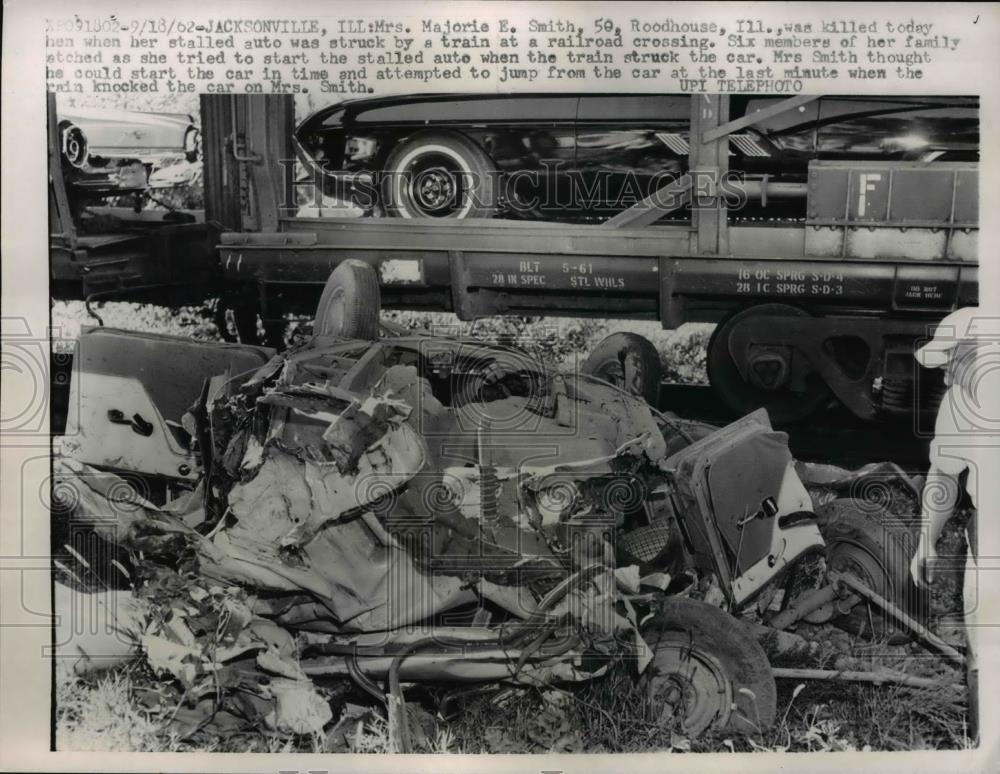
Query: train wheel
708, 670
771, 369
351, 301
629, 361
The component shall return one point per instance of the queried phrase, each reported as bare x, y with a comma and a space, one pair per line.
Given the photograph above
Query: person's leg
970, 597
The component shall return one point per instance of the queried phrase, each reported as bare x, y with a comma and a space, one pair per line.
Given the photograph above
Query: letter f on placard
867, 181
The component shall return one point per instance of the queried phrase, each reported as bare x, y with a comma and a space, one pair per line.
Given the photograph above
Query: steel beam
921, 632
736, 124
662, 201
709, 161
270, 123
61, 216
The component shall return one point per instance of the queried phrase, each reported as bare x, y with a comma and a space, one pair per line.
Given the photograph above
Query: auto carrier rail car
821, 306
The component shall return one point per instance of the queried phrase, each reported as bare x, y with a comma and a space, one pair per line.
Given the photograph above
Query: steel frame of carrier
886, 249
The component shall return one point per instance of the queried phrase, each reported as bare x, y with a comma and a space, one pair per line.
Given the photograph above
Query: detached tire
351, 301
878, 553
629, 361
439, 175
709, 668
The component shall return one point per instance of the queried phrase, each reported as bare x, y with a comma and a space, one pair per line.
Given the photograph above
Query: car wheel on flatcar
439, 175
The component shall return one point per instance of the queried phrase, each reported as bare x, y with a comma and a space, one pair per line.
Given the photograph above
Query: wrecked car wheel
629, 361
708, 670
350, 304
877, 553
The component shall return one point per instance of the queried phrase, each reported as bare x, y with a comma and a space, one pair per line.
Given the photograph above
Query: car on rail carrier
580, 157
810, 311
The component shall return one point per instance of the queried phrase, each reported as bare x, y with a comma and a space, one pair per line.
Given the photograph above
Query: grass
102, 714
612, 715
609, 715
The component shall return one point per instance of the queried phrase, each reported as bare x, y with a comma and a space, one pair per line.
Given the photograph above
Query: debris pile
356, 517
334, 528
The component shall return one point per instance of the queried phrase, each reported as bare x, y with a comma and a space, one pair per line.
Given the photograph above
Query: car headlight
74, 145
359, 148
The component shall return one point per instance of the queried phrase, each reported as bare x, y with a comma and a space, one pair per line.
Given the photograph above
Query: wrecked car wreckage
417, 509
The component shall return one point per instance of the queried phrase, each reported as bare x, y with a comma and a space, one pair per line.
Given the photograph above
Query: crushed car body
411, 509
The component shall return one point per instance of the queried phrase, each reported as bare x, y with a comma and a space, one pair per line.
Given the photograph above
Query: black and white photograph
535, 378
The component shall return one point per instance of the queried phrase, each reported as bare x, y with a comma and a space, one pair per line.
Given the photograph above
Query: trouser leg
971, 604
